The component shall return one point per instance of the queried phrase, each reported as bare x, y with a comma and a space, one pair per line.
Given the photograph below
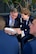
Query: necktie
24, 22
11, 23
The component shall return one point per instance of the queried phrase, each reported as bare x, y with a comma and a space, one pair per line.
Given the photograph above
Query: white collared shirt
11, 21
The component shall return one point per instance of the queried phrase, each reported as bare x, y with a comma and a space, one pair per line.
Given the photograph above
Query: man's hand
9, 32
17, 30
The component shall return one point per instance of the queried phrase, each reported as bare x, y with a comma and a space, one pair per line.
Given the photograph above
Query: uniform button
20, 25
25, 29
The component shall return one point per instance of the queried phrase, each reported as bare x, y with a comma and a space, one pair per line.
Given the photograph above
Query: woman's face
25, 17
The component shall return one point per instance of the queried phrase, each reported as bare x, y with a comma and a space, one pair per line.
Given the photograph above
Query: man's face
33, 27
14, 14
25, 17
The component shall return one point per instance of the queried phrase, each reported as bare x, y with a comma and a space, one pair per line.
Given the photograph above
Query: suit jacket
26, 31
8, 44
30, 47
16, 25
17, 21
25, 27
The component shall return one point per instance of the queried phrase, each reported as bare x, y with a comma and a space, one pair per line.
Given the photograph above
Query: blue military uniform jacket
8, 44
30, 47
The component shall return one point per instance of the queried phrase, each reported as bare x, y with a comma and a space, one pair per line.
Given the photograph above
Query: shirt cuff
23, 34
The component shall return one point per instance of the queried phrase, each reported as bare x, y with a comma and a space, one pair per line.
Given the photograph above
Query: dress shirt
11, 21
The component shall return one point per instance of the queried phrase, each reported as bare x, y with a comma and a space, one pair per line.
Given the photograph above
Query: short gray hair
13, 10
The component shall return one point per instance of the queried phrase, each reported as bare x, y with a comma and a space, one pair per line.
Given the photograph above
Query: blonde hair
2, 23
25, 11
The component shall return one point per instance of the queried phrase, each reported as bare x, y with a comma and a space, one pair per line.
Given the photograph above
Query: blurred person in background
13, 19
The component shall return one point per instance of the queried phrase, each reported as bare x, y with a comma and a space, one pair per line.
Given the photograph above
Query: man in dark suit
30, 46
8, 44
13, 19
